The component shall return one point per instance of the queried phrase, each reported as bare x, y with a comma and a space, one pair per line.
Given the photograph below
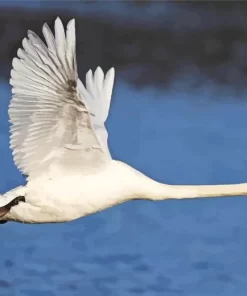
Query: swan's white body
66, 197
59, 139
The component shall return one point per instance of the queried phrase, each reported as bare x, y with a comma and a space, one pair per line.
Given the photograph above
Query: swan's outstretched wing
50, 114
97, 95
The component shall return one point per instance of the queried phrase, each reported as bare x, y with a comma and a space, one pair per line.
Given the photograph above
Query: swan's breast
79, 195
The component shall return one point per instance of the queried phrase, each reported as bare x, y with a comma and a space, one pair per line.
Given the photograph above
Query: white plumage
48, 111
59, 140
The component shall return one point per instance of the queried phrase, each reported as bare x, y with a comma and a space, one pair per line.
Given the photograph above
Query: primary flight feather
59, 140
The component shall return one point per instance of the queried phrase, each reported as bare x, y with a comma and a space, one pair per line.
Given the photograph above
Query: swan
59, 140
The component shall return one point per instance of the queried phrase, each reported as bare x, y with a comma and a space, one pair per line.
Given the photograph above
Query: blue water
155, 15
186, 247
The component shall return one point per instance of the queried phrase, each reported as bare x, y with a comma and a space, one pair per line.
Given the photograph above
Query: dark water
186, 247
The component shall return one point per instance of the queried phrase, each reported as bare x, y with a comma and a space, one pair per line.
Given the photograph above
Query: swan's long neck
146, 188
213, 190
158, 191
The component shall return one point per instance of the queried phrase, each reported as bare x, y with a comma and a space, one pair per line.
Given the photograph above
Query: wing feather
50, 108
97, 95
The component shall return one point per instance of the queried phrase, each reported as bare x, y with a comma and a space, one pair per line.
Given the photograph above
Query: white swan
59, 139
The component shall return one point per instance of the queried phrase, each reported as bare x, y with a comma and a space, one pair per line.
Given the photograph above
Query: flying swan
59, 140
